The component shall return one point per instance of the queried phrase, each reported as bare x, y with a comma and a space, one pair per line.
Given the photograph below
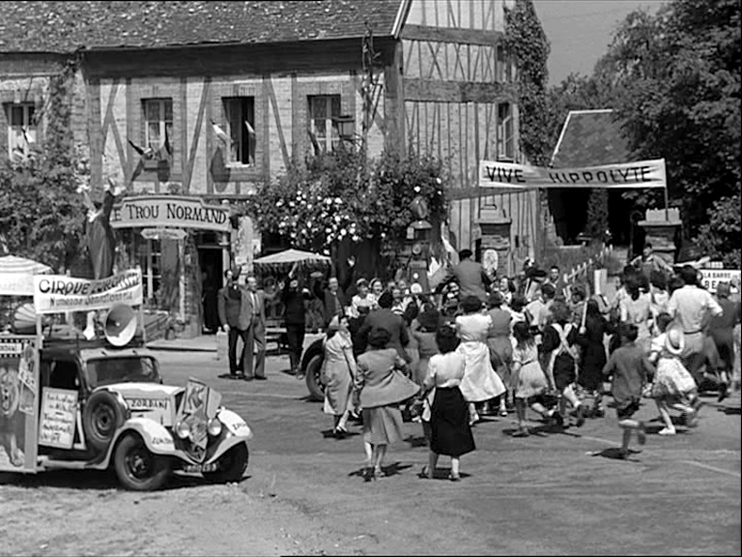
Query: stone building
201, 101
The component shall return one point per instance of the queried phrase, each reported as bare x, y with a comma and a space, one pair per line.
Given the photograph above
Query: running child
673, 385
628, 368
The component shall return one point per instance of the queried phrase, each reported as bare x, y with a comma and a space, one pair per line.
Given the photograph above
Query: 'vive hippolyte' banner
60, 293
642, 174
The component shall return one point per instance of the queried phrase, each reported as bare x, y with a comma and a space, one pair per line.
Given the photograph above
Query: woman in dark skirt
449, 416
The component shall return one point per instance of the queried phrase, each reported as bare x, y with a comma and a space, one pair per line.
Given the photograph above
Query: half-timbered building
203, 100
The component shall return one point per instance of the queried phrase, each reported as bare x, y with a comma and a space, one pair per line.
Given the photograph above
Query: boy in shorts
629, 368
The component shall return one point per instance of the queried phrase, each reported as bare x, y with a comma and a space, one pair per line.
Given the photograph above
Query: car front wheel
313, 373
231, 465
137, 468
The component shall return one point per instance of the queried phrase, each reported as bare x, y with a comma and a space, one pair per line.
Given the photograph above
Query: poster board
58, 418
19, 381
712, 277
198, 406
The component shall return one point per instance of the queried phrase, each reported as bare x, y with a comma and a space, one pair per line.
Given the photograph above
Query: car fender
235, 425
157, 438
312, 350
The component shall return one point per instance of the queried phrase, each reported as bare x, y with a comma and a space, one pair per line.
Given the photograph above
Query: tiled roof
66, 26
590, 138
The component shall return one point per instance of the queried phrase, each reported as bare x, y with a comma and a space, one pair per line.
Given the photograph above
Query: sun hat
674, 340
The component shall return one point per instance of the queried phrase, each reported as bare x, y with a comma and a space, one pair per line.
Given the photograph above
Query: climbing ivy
526, 42
41, 215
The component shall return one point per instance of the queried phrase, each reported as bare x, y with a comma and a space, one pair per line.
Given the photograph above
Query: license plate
200, 468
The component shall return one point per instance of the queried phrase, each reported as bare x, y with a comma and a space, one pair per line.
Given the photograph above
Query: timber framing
451, 35
433, 90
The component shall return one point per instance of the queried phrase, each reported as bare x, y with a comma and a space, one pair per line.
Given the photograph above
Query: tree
336, 198
676, 78
39, 210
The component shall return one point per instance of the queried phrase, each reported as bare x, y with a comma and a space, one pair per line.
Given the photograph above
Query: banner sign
153, 211
164, 234
643, 174
712, 277
19, 379
59, 293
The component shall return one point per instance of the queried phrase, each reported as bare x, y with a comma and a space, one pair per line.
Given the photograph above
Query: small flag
220, 133
165, 150
147, 153
250, 129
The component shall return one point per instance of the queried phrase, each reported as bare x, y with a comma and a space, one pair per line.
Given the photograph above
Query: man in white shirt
693, 307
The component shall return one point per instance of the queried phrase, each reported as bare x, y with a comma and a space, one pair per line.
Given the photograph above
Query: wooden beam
430, 90
456, 194
451, 35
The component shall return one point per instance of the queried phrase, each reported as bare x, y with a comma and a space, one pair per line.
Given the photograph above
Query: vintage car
127, 419
311, 367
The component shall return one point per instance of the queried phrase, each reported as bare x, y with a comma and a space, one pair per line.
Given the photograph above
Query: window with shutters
239, 115
323, 128
21, 128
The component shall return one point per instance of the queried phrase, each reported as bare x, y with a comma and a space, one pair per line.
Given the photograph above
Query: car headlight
182, 429
214, 427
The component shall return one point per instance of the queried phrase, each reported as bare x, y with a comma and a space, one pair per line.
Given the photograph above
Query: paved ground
545, 494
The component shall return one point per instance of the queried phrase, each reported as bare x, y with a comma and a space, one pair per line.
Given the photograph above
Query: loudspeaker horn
120, 325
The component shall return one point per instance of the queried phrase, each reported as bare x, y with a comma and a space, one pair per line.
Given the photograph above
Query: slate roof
590, 138
62, 27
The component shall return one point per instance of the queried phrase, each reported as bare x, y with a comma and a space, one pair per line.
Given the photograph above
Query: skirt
449, 420
502, 347
531, 380
671, 379
382, 425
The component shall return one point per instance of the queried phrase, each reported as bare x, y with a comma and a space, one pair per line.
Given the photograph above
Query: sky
580, 30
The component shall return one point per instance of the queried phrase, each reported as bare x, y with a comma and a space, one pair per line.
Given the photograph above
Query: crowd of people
482, 345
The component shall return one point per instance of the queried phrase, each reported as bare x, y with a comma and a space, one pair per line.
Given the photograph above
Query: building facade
205, 100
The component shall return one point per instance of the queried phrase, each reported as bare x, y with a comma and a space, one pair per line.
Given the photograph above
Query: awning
16, 275
283, 261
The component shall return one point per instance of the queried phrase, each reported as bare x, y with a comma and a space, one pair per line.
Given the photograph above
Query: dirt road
302, 494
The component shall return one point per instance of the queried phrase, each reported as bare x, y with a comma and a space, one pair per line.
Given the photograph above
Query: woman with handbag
379, 387
338, 371
450, 432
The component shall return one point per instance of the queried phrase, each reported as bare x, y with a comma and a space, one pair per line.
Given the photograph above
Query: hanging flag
220, 133
165, 150
147, 153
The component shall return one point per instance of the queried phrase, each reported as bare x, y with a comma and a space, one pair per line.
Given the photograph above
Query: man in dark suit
234, 320
385, 318
470, 275
255, 343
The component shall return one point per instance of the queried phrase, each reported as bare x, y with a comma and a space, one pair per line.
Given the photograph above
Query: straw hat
674, 340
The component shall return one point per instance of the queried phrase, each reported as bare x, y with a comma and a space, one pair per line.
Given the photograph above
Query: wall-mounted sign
163, 234
712, 277
154, 211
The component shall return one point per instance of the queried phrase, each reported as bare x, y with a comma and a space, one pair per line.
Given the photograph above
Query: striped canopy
16, 275
284, 260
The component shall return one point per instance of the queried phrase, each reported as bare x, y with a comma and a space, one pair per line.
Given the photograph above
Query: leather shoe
260, 377
247, 377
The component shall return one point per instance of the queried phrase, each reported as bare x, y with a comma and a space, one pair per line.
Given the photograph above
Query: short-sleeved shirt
689, 306
445, 370
629, 367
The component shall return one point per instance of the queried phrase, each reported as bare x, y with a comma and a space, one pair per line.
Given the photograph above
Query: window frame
15, 135
327, 142
505, 132
162, 121
244, 135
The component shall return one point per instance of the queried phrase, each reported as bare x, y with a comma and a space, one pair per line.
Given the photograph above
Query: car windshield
106, 371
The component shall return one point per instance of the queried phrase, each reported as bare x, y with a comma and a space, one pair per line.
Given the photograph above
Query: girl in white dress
480, 382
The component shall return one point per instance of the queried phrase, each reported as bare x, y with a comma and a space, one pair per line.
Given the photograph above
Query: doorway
212, 270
